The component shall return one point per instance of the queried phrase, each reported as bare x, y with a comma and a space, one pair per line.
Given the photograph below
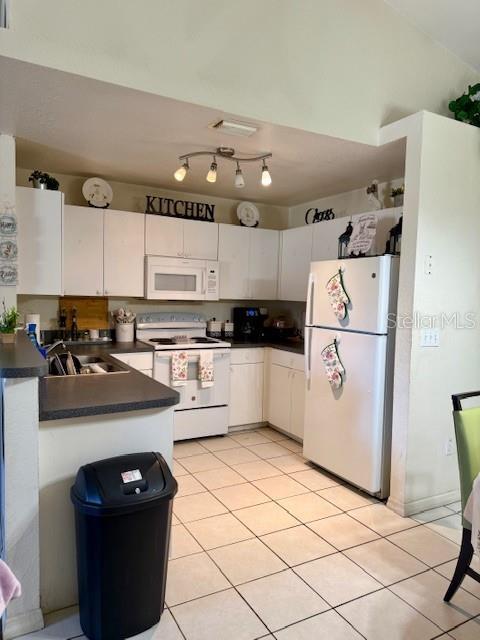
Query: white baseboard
423, 504
23, 623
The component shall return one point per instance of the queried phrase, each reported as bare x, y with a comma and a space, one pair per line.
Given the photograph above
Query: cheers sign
180, 208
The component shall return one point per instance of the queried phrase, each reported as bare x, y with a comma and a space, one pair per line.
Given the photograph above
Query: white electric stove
201, 411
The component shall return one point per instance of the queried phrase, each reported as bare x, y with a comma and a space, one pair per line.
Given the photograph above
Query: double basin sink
89, 365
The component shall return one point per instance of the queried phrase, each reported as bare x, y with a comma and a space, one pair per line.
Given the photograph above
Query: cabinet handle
106, 292
98, 292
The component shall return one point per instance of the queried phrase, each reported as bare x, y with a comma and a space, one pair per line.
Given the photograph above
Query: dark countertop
283, 345
21, 359
104, 348
78, 396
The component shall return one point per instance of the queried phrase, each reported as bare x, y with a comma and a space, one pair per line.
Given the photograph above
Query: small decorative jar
228, 329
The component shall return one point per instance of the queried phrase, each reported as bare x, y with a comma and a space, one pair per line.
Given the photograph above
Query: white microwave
179, 279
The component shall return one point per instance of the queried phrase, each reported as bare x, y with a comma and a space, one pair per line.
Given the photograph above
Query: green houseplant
42, 180
8, 324
466, 108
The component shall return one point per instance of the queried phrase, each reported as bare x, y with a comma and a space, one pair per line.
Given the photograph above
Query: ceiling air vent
232, 128
4, 13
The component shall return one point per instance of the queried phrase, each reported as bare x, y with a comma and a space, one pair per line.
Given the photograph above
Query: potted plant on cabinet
8, 324
42, 180
397, 196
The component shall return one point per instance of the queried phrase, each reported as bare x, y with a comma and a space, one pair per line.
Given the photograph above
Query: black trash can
123, 513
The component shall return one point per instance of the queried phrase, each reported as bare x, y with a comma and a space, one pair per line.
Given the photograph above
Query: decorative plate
97, 192
248, 214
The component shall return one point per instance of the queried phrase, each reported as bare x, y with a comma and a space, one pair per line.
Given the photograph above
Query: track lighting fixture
225, 153
239, 179
212, 174
181, 172
266, 177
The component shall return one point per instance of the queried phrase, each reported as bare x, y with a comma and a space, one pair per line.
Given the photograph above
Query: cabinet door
297, 412
40, 228
163, 236
124, 236
278, 403
200, 240
296, 254
83, 251
325, 238
246, 394
233, 255
263, 273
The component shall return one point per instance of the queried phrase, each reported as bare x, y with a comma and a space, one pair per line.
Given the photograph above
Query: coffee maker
248, 324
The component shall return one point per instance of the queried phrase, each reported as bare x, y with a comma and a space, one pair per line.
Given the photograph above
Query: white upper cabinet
200, 240
263, 272
83, 251
123, 259
248, 263
296, 252
181, 238
40, 228
233, 255
163, 236
325, 238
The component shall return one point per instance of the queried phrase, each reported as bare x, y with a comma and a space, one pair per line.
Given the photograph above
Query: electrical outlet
429, 337
449, 447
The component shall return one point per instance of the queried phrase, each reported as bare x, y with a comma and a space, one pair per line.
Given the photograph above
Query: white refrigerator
348, 412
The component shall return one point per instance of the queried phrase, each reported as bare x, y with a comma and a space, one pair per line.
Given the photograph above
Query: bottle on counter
74, 325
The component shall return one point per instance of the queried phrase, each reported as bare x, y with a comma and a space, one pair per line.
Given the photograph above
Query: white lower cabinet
285, 392
142, 361
246, 387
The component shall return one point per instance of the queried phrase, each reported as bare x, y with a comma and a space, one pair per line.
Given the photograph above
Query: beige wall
440, 219
344, 204
131, 197
338, 67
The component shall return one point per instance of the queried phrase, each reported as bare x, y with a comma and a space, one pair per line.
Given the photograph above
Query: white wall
441, 219
131, 197
20, 416
341, 68
344, 204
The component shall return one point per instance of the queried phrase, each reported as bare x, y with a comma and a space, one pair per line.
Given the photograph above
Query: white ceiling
453, 23
74, 125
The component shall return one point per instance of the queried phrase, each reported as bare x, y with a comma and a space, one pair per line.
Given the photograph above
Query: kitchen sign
314, 215
180, 208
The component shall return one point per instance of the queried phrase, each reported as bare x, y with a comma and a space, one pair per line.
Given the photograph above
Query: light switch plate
429, 337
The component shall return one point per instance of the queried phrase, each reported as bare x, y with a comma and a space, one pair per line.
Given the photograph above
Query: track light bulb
181, 172
239, 179
212, 174
266, 177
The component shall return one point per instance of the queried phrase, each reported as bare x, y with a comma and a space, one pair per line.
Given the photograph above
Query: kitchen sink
85, 363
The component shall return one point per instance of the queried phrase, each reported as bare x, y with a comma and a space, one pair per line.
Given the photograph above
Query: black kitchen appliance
248, 324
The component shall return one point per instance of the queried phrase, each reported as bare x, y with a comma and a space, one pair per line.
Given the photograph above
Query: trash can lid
123, 484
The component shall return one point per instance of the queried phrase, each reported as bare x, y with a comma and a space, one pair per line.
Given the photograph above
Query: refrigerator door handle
308, 355
310, 290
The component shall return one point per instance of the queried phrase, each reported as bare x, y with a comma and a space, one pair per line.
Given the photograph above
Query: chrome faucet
53, 346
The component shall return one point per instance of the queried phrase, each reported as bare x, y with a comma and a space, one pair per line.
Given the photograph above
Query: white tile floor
266, 546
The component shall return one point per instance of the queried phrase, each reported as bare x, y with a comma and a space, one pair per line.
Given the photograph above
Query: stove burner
162, 340
202, 340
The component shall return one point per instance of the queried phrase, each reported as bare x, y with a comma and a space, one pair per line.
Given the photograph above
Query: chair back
467, 433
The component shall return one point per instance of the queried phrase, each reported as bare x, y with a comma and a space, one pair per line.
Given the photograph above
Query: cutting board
92, 313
